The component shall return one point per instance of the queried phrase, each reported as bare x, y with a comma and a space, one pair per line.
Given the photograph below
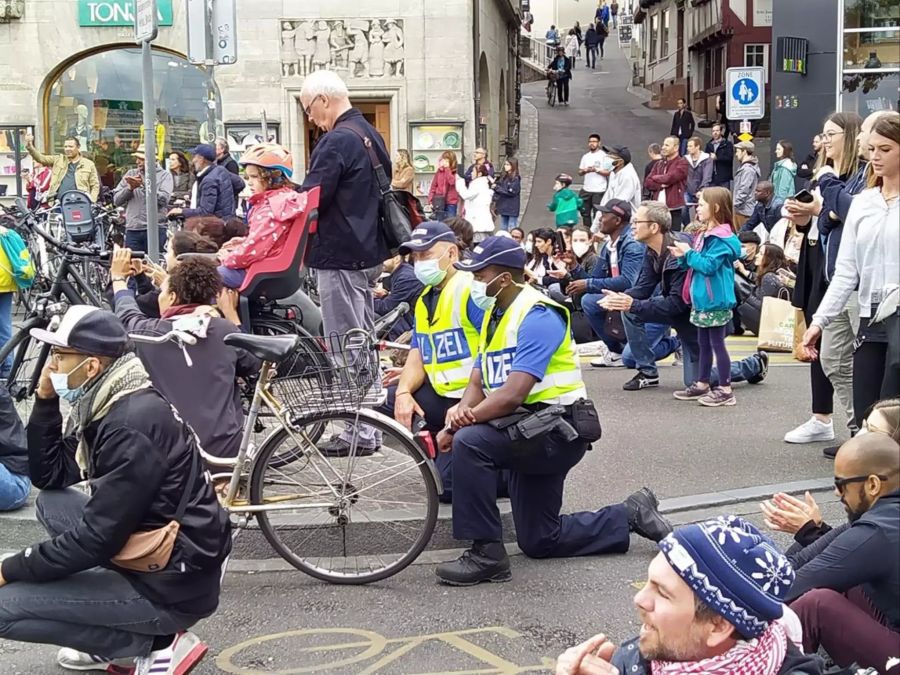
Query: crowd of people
644, 266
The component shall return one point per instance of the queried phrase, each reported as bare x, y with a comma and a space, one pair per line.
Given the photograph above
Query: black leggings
712, 342
873, 381
822, 391
562, 90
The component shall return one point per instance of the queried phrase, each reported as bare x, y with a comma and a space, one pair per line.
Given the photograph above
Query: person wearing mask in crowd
869, 261
595, 166
69, 171
766, 284
591, 45
682, 125
480, 160
848, 595
404, 173
654, 155
214, 188
182, 176
713, 604
571, 47
723, 151
15, 486
746, 266
807, 168
766, 210
624, 182
130, 193
507, 191
617, 268
99, 591
275, 207
784, 173
210, 401
478, 195
700, 173
560, 65
540, 259
668, 180
525, 357
579, 252
710, 288
401, 285
745, 180
445, 339
832, 373
224, 158
518, 235
442, 194
565, 203
348, 248
465, 235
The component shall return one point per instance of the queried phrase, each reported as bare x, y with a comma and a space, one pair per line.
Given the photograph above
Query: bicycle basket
326, 374
78, 219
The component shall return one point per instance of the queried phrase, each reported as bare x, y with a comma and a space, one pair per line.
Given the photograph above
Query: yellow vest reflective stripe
449, 342
561, 384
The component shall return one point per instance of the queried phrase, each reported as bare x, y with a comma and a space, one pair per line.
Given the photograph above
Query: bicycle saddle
273, 348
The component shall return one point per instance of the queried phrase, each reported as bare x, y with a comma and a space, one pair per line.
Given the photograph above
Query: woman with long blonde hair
403, 172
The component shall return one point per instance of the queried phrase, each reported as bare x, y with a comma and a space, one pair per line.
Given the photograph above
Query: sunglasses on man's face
841, 483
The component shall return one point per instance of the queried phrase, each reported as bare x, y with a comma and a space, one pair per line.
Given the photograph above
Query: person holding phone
131, 194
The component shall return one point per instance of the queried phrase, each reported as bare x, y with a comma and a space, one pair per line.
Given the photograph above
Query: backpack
22, 268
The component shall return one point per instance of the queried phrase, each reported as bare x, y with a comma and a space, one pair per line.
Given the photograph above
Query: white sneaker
597, 348
811, 431
71, 659
179, 658
609, 360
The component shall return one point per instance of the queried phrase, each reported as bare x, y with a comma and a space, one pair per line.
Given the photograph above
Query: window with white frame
664, 34
654, 37
757, 55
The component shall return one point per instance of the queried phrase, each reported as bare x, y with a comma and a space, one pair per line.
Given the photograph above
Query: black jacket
683, 121
660, 270
404, 287
723, 173
348, 235
215, 193
629, 661
591, 37
228, 163
13, 446
864, 555
140, 459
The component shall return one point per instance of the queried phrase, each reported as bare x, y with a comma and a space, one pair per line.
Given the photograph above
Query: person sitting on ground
275, 207
767, 284
745, 266
518, 234
209, 400
541, 259
15, 486
210, 227
712, 604
97, 585
465, 234
400, 285
767, 211
848, 595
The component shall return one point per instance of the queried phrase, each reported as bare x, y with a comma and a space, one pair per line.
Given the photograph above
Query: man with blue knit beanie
712, 604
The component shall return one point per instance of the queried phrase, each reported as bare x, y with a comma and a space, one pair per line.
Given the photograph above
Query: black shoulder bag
399, 211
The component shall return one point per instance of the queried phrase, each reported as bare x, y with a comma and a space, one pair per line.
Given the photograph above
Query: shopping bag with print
776, 326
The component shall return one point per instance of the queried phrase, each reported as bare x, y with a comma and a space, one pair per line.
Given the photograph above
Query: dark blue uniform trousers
536, 475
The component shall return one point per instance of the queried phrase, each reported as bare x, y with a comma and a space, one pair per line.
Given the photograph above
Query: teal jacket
565, 204
710, 266
783, 176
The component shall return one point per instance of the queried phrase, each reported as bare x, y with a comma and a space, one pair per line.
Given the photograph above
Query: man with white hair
348, 248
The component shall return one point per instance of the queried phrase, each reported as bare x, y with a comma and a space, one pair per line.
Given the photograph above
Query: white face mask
579, 248
529, 246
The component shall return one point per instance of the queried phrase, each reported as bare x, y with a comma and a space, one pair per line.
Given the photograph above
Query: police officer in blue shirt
526, 378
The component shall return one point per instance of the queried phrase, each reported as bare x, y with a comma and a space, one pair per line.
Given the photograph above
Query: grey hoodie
135, 201
744, 187
700, 173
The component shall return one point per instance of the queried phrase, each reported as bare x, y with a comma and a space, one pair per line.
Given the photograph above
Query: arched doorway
503, 112
96, 96
485, 134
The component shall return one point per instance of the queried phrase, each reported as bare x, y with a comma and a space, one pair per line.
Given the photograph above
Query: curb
740, 495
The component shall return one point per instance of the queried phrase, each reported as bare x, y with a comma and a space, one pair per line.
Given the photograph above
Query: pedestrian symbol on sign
745, 90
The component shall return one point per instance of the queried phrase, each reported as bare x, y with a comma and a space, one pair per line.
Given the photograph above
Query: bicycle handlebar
30, 219
179, 336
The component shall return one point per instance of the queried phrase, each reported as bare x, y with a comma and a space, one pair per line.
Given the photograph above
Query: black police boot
482, 562
644, 517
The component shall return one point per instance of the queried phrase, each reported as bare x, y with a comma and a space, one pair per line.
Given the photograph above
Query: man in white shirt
595, 167
624, 182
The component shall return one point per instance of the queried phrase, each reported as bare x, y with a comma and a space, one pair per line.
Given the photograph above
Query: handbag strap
186, 495
384, 183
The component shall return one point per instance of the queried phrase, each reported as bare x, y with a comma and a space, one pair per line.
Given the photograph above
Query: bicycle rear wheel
28, 359
345, 520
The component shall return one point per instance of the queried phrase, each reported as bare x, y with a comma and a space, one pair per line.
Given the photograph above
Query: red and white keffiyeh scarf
760, 656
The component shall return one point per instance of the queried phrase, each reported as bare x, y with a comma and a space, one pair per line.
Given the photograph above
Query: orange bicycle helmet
269, 156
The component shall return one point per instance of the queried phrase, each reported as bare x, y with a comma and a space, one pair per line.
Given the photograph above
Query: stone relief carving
363, 48
11, 9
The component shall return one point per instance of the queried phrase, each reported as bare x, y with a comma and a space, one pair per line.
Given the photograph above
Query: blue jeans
647, 344
6, 303
682, 146
136, 240
14, 489
508, 222
231, 278
740, 370
596, 316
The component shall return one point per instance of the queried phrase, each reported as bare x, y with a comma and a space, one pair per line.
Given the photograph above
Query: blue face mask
429, 272
60, 382
478, 294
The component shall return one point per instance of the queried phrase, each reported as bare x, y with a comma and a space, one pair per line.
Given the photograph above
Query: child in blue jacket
709, 288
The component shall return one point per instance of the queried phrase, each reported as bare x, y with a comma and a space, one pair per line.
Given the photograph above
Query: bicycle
551, 88
312, 508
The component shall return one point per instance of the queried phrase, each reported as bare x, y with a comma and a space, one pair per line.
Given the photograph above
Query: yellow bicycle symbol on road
354, 650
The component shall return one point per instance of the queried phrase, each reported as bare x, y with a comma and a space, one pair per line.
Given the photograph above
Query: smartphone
559, 244
805, 197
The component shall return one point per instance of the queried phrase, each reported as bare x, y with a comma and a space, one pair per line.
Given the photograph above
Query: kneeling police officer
525, 411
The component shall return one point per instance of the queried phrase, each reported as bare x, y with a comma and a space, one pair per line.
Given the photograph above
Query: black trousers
873, 379
562, 90
822, 391
676, 219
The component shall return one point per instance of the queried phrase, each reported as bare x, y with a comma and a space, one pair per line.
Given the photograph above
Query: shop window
865, 93
757, 55
98, 100
871, 35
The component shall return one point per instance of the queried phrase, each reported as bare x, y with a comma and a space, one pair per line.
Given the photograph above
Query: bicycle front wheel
345, 520
28, 359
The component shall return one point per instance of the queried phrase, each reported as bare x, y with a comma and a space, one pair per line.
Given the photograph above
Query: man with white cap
712, 604
129, 567
131, 192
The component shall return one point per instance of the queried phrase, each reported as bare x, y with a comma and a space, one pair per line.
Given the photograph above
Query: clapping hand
591, 657
679, 248
785, 513
618, 302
